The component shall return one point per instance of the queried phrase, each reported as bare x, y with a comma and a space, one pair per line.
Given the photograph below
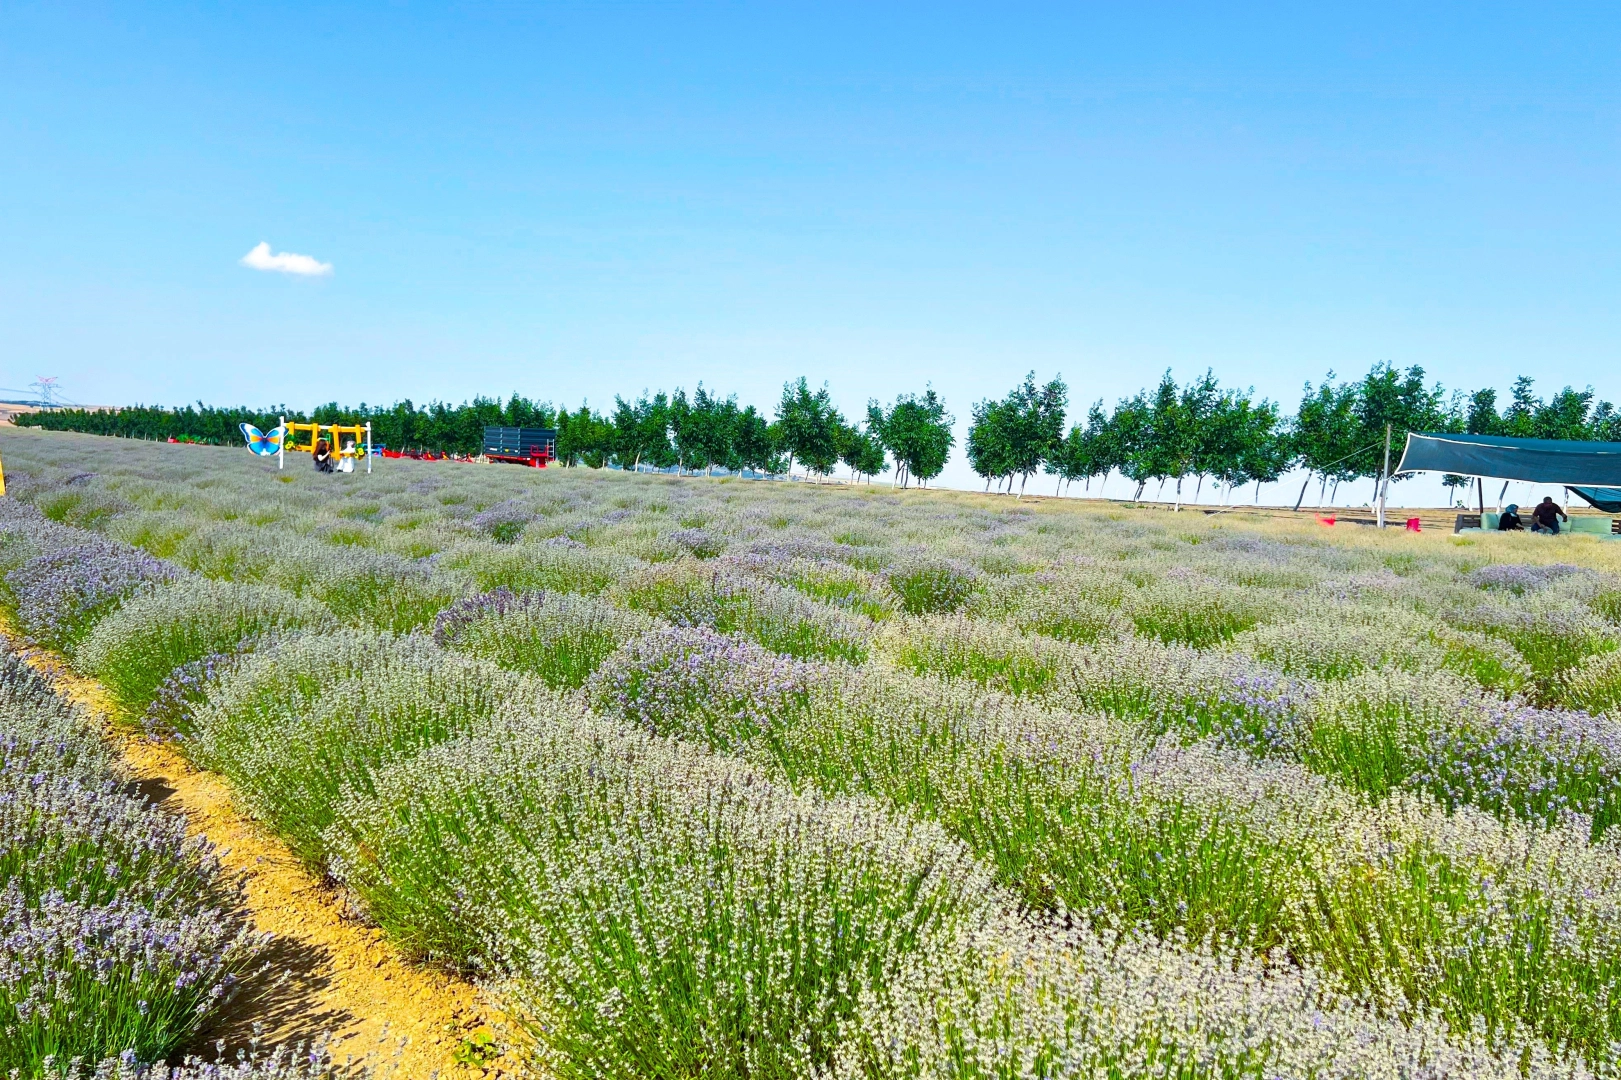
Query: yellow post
2, 481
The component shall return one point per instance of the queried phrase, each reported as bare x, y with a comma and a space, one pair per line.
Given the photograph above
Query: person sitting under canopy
1545, 516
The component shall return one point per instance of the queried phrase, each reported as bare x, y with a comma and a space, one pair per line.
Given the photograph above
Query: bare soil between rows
330, 975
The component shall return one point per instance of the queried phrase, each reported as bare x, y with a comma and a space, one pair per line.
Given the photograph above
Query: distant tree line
1203, 431
1172, 434
660, 431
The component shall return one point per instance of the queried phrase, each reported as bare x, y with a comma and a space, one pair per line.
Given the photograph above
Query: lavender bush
297, 724
134, 650
561, 638
694, 682
1519, 578
926, 585
953, 647
778, 618
60, 595
118, 934
504, 522
1552, 634
557, 564
1434, 733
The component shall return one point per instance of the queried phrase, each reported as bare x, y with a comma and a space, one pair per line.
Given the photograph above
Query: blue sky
574, 201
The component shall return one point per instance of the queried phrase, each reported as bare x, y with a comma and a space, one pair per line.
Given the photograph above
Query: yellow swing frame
361, 436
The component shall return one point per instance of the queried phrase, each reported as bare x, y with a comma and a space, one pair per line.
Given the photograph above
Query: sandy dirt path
330, 974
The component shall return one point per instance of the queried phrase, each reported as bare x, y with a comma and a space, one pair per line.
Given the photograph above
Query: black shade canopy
1541, 461
1606, 499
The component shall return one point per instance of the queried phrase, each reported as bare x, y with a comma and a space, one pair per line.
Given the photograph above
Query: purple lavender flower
1519, 578
932, 585
505, 521
699, 543
1517, 761
169, 715
118, 932
60, 594
450, 623
89, 980
694, 682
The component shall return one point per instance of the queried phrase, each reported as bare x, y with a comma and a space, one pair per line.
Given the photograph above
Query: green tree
584, 438
990, 440
862, 452
1017, 434
1169, 445
1201, 442
917, 433
1040, 425
704, 429
1131, 440
809, 426
754, 445
1564, 416
1326, 435
1605, 423
1266, 451
641, 432
1389, 399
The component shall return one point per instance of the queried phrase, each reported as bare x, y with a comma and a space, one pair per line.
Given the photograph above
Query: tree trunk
1178, 507
1257, 493
1140, 485
1198, 488
1334, 493
1303, 486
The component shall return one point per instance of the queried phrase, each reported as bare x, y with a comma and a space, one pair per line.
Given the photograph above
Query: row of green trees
1200, 431
1203, 431
661, 431
707, 431
1195, 431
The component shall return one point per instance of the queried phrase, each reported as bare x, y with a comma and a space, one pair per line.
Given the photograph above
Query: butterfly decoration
263, 443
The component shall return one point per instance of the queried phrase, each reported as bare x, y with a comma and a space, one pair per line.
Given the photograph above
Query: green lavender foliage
1092, 789
134, 650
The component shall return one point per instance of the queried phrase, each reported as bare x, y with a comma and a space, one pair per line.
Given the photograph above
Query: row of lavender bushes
1182, 837
120, 937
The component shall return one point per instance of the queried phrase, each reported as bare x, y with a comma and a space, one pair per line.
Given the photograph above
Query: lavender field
756, 779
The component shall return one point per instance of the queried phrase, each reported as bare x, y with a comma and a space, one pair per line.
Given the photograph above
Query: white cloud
260, 258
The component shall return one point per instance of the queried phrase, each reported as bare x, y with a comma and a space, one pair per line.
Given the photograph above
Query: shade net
1541, 461
1606, 499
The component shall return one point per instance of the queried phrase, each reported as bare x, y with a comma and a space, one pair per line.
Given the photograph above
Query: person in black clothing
323, 456
1545, 518
1509, 520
